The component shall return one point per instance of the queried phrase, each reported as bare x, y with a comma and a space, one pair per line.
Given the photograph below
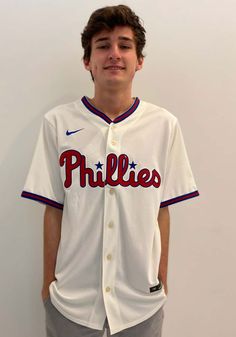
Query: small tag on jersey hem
155, 288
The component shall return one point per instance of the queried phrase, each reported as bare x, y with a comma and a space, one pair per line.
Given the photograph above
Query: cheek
92, 66
96, 64
95, 68
134, 63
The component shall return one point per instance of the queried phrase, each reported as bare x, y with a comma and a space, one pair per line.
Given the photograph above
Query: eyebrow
122, 38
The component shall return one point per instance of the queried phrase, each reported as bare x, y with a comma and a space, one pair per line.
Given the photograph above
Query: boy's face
113, 60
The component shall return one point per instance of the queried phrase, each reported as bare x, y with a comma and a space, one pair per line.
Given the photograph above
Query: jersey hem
178, 199
41, 199
71, 318
114, 330
146, 317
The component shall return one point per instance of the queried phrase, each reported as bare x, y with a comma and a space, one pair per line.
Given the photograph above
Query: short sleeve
178, 182
43, 182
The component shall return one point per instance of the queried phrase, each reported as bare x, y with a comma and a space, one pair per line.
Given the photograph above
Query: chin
115, 81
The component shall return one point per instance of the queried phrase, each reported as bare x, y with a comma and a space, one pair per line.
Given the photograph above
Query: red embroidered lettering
66, 159
111, 168
120, 165
143, 177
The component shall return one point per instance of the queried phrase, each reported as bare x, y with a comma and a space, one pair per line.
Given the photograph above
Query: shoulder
158, 114
60, 113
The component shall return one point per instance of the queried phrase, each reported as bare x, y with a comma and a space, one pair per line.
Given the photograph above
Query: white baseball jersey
110, 178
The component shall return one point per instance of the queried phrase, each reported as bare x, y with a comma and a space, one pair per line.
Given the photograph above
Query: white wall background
189, 69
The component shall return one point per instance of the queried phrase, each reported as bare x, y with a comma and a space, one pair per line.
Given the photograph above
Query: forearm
164, 226
52, 235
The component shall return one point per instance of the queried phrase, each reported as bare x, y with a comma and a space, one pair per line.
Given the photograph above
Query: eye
124, 46
103, 46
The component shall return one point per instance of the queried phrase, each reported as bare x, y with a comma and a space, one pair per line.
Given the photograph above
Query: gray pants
59, 326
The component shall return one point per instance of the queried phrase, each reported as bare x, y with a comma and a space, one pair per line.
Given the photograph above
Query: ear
87, 64
139, 63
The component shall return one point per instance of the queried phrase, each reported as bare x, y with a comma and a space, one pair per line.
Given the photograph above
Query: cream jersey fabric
110, 178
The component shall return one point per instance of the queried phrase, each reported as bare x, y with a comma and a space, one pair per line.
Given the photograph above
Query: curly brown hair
107, 18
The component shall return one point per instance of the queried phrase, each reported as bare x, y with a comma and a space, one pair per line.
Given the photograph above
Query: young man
107, 168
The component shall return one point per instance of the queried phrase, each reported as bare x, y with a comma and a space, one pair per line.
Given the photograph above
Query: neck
112, 103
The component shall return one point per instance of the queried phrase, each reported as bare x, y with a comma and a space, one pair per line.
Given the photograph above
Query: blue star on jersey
132, 165
99, 165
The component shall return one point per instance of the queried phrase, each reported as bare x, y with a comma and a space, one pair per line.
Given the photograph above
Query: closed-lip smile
113, 67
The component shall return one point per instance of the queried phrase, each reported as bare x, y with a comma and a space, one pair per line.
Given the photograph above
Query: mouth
114, 68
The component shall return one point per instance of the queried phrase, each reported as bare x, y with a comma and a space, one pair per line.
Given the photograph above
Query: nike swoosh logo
68, 133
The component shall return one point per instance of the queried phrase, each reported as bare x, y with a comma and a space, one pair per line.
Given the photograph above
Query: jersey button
108, 289
111, 224
109, 256
114, 142
112, 191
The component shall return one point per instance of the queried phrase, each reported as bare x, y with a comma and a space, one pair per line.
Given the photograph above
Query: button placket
113, 139
109, 232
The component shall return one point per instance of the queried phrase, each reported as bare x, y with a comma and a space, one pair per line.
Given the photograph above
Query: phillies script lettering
73, 160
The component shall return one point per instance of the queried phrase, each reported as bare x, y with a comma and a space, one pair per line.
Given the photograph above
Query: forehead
119, 32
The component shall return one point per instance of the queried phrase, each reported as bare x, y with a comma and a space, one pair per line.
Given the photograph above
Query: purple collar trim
118, 119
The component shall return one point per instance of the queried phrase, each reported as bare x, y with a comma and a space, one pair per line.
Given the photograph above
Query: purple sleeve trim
41, 199
178, 199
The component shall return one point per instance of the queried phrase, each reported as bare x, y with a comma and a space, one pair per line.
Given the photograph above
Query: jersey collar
118, 119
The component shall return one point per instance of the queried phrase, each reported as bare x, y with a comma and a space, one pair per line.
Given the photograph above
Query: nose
114, 53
